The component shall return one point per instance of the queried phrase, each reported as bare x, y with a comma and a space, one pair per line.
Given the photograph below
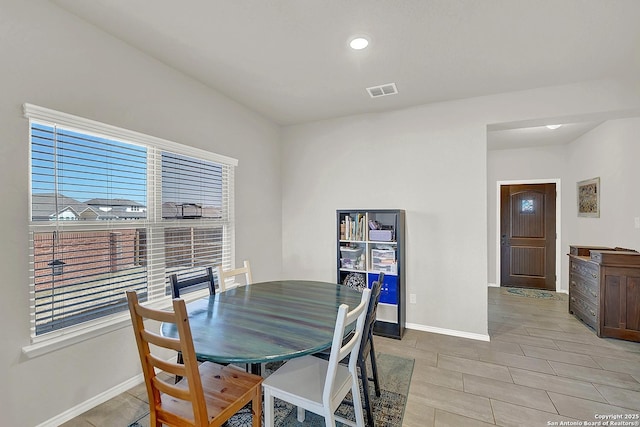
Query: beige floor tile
405, 342
409, 338
415, 353
621, 345
77, 422
496, 328
583, 409
119, 411
474, 367
598, 376
438, 376
444, 344
620, 396
604, 350
139, 392
512, 393
568, 386
510, 415
454, 401
447, 419
498, 346
631, 367
576, 327
559, 356
535, 322
516, 361
526, 339
416, 414
585, 338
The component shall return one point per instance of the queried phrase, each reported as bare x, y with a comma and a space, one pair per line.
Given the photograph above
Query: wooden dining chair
208, 395
192, 283
319, 385
245, 271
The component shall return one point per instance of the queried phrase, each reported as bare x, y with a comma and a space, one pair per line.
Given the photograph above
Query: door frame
558, 224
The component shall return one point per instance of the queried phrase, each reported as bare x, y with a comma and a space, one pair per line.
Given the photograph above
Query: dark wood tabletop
268, 321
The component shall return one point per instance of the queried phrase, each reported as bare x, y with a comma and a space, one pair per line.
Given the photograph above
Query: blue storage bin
389, 291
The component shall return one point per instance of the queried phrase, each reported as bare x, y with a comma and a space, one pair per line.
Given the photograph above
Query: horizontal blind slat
84, 187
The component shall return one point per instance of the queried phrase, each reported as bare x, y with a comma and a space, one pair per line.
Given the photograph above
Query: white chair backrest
245, 271
340, 347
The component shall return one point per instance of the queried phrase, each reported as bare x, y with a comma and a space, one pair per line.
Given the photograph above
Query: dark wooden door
528, 236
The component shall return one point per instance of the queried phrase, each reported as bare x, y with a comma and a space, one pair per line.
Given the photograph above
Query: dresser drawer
586, 270
584, 310
588, 289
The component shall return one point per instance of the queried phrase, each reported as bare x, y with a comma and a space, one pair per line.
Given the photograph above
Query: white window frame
156, 279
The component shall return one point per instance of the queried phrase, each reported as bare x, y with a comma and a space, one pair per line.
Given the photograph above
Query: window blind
113, 210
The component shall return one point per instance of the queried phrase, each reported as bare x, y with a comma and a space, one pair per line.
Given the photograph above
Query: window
113, 210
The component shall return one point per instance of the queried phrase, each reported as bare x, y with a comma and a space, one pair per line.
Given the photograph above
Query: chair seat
226, 389
304, 377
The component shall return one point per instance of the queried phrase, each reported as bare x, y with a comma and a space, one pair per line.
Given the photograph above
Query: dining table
265, 322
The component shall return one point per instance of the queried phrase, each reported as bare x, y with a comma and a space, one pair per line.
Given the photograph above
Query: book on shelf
354, 227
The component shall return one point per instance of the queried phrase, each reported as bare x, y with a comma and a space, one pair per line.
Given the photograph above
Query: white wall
612, 152
361, 162
609, 151
52, 59
431, 161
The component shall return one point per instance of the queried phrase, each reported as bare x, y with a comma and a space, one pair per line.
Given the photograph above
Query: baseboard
493, 285
451, 332
92, 402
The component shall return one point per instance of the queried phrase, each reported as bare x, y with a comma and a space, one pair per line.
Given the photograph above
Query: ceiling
289, 60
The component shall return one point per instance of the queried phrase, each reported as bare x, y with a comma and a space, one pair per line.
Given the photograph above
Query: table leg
256, 368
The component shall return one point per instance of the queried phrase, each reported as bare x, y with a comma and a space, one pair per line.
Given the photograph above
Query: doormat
532, 293
388, 410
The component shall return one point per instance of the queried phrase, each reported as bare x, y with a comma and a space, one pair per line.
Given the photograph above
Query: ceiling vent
382, 90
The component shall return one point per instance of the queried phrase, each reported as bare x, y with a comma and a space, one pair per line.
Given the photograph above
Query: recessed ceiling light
359, 43
552, 127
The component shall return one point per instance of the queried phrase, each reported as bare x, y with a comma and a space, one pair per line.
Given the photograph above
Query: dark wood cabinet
604, 290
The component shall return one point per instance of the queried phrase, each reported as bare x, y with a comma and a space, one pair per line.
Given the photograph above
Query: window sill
46, 344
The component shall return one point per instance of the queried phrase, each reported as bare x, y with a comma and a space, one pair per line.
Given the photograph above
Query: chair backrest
376, 290
193, 392
245, 271
341, 347
192, 283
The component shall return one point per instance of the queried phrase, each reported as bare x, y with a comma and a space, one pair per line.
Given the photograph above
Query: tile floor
542, 367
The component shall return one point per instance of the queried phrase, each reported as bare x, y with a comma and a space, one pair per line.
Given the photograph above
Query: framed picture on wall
589, 198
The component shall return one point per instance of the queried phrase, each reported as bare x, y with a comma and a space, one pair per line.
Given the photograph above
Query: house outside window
113, 210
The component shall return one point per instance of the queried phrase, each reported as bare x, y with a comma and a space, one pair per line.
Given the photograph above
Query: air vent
382, 90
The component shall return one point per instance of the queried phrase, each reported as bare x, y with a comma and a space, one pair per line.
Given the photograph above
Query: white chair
245, 271
320, 385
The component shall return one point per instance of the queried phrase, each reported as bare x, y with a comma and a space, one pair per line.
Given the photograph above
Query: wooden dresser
604, 290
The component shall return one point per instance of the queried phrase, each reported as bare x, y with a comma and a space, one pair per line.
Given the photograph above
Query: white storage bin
391, 268
383, 254
349, 252
381, 235
348, 262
